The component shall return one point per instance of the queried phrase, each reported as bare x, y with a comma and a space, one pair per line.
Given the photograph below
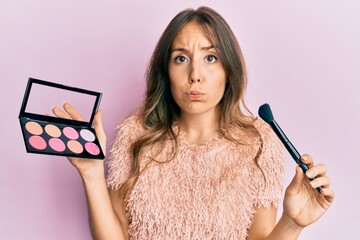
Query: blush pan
52, 130
75, 146
57, 145
87, 135
34, 128
71, 133
92, 148
50, 135
37, 142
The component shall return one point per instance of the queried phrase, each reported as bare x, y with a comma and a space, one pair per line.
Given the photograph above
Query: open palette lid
41, 96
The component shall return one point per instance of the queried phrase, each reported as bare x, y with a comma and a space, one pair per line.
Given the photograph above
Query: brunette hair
160, 111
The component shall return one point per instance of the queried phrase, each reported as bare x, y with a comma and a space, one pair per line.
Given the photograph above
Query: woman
190, 164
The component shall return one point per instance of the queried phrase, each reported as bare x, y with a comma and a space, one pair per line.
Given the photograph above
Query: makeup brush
266, 114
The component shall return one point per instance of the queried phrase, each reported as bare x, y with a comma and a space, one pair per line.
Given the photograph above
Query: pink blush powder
70, 133
92, 148
37, 142
57, 144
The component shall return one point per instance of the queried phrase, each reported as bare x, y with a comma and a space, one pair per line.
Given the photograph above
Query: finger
316, 170
320, 182
98, 124
295, 184
328, 193
99, 129
60, 113
73, 113
307, 159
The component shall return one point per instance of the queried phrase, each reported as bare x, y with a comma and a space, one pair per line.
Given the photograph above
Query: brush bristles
265, 113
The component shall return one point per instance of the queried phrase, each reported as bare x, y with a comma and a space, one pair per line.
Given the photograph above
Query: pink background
302, 57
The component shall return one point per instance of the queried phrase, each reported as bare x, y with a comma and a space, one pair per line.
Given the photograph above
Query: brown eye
180, 59
211, 58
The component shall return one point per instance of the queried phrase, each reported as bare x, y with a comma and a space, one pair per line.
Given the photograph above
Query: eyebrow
185, 50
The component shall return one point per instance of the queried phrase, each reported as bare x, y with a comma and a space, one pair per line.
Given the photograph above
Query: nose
195, 73
193, 80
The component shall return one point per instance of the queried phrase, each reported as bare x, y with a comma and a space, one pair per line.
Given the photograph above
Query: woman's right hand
88, 168
103, 220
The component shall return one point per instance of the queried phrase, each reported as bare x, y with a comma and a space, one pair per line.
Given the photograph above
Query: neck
199, 128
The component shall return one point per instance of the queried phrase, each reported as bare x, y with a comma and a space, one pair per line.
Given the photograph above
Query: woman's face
197, 77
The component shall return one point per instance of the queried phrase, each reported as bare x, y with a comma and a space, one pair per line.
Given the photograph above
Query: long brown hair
160, 111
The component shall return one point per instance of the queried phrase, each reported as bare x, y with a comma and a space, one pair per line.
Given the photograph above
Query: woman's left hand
303, 204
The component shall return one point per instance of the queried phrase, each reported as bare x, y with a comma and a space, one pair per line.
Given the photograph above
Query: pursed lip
194, 94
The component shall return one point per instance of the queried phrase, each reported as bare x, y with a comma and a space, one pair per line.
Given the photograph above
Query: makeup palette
45, 134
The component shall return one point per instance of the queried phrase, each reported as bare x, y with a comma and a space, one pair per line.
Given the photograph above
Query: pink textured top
206, 192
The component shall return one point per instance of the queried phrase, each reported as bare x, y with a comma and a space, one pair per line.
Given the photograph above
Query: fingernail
310, 173
313, 184
304, 158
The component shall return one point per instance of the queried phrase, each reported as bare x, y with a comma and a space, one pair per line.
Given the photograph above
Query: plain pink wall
302, 58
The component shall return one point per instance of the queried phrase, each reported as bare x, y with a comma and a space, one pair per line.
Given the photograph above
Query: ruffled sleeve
119, 161
268, 183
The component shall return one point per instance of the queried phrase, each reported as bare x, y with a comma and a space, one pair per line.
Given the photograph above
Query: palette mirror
43, 98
